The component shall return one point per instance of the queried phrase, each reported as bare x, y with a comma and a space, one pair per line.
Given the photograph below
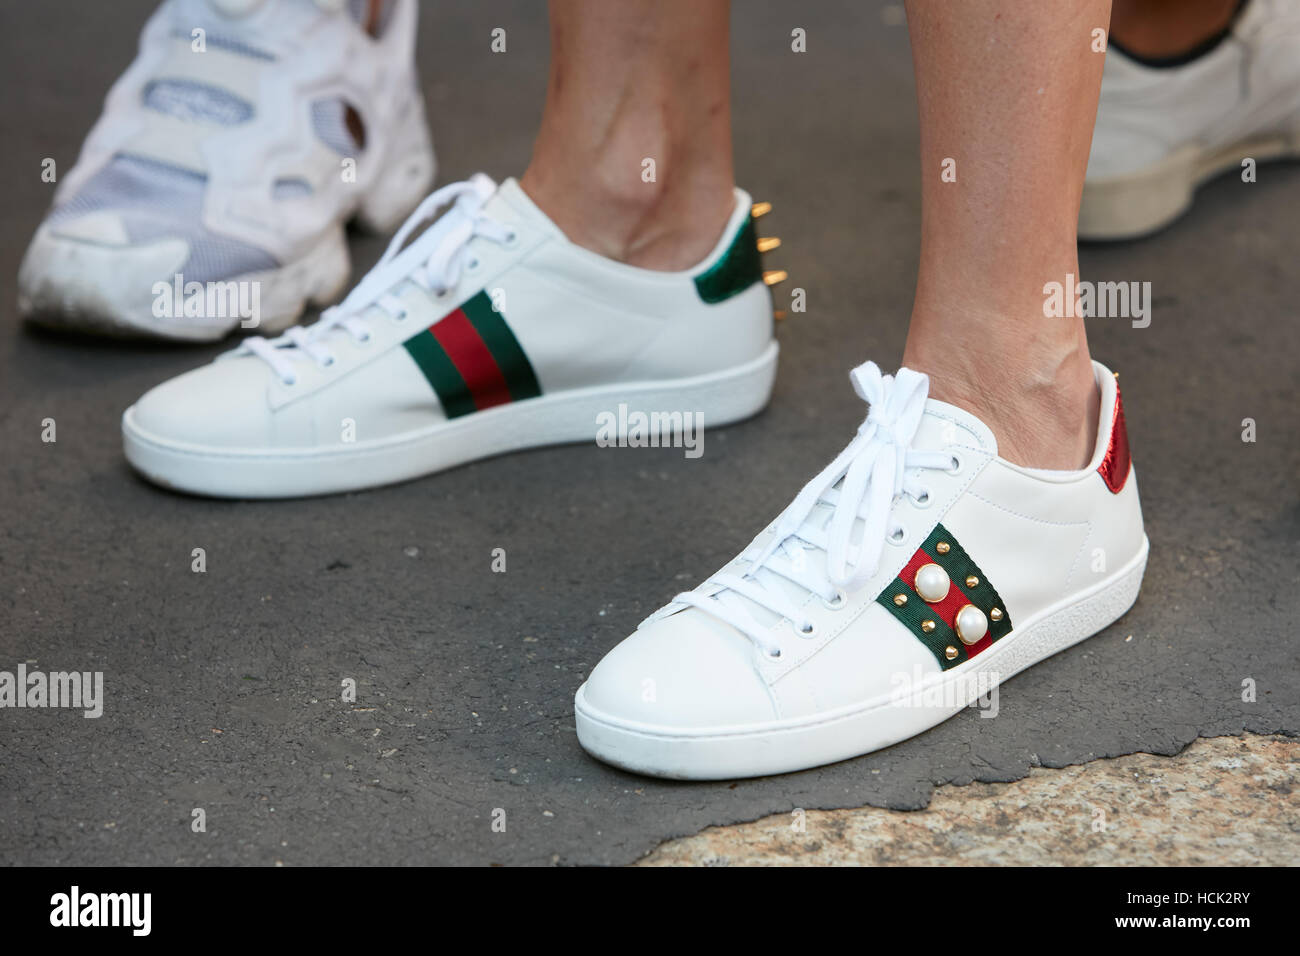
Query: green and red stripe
472, 359
916, 610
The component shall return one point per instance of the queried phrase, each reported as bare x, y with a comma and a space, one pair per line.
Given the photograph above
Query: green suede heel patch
738, 269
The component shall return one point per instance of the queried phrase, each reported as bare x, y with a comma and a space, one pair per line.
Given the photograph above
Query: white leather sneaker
911, 576
213, 190
488, 333
1161, 132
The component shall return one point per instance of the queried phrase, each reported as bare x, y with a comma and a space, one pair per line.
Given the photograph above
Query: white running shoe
1162, 131
213, 190
911, 576
488, 333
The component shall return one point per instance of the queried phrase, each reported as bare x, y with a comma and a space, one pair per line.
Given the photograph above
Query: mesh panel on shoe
188, 100
330, 120
157, 200
228, 43
286, 188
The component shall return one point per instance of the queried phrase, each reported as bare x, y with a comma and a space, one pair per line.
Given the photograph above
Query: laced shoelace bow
862, 483
435, 261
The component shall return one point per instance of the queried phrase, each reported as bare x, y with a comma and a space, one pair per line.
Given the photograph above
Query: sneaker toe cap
223, 405
683, 672
88, 268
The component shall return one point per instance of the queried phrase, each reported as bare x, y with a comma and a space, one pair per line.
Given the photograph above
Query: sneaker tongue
944, 424
512, 204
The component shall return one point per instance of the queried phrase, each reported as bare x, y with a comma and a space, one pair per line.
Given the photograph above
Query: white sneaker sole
1142, 202
569, 416
76, 285
724, 753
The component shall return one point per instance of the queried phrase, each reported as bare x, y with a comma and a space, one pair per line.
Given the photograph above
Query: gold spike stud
760, 209
950, 652
995, 614
927, 626
773, 276
768, 243
942, 547
900, 599
972, 581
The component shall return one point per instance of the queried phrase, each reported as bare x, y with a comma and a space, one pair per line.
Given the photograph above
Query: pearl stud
970, 624
932, 582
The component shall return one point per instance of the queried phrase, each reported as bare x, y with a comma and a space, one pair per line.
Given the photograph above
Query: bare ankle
1042, 406
640, 210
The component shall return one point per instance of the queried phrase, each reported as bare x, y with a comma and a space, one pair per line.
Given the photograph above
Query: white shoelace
434, 261
863, 482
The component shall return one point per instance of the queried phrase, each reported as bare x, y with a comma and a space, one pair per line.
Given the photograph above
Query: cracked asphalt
223, 689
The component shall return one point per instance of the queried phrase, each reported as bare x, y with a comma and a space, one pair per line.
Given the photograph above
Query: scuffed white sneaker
911, 576
213, 190
489, 332
1162, 131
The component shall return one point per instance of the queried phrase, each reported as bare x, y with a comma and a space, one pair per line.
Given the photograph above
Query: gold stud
773, 276
768, 243
927, 626
995, 614
950, 652
760, 209
972, 581
900, 599
942, 547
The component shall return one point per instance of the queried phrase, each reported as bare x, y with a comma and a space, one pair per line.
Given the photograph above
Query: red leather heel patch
1114, 468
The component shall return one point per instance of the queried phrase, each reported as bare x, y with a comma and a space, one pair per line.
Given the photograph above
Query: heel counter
1117, 465
738, 269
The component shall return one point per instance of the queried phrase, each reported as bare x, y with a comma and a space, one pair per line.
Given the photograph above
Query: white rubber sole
1145, 201
78, 285
569, 416
725, 753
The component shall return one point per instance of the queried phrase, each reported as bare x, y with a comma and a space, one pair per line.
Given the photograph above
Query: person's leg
1008, 91
631, 81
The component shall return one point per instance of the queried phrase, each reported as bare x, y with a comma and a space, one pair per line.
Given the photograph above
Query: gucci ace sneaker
916, 572
489, 332
213, 190
1162, 131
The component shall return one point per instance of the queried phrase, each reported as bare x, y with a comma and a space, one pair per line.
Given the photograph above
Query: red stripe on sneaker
472, 358
946, 610
1114, 468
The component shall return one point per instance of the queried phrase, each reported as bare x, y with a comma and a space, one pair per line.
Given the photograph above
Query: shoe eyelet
897, 537
512, 239
923, 501
957, 465
837, 602
366, 339
290, 382
808, 632
472, 265
401, 316
328, 362
773, 655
